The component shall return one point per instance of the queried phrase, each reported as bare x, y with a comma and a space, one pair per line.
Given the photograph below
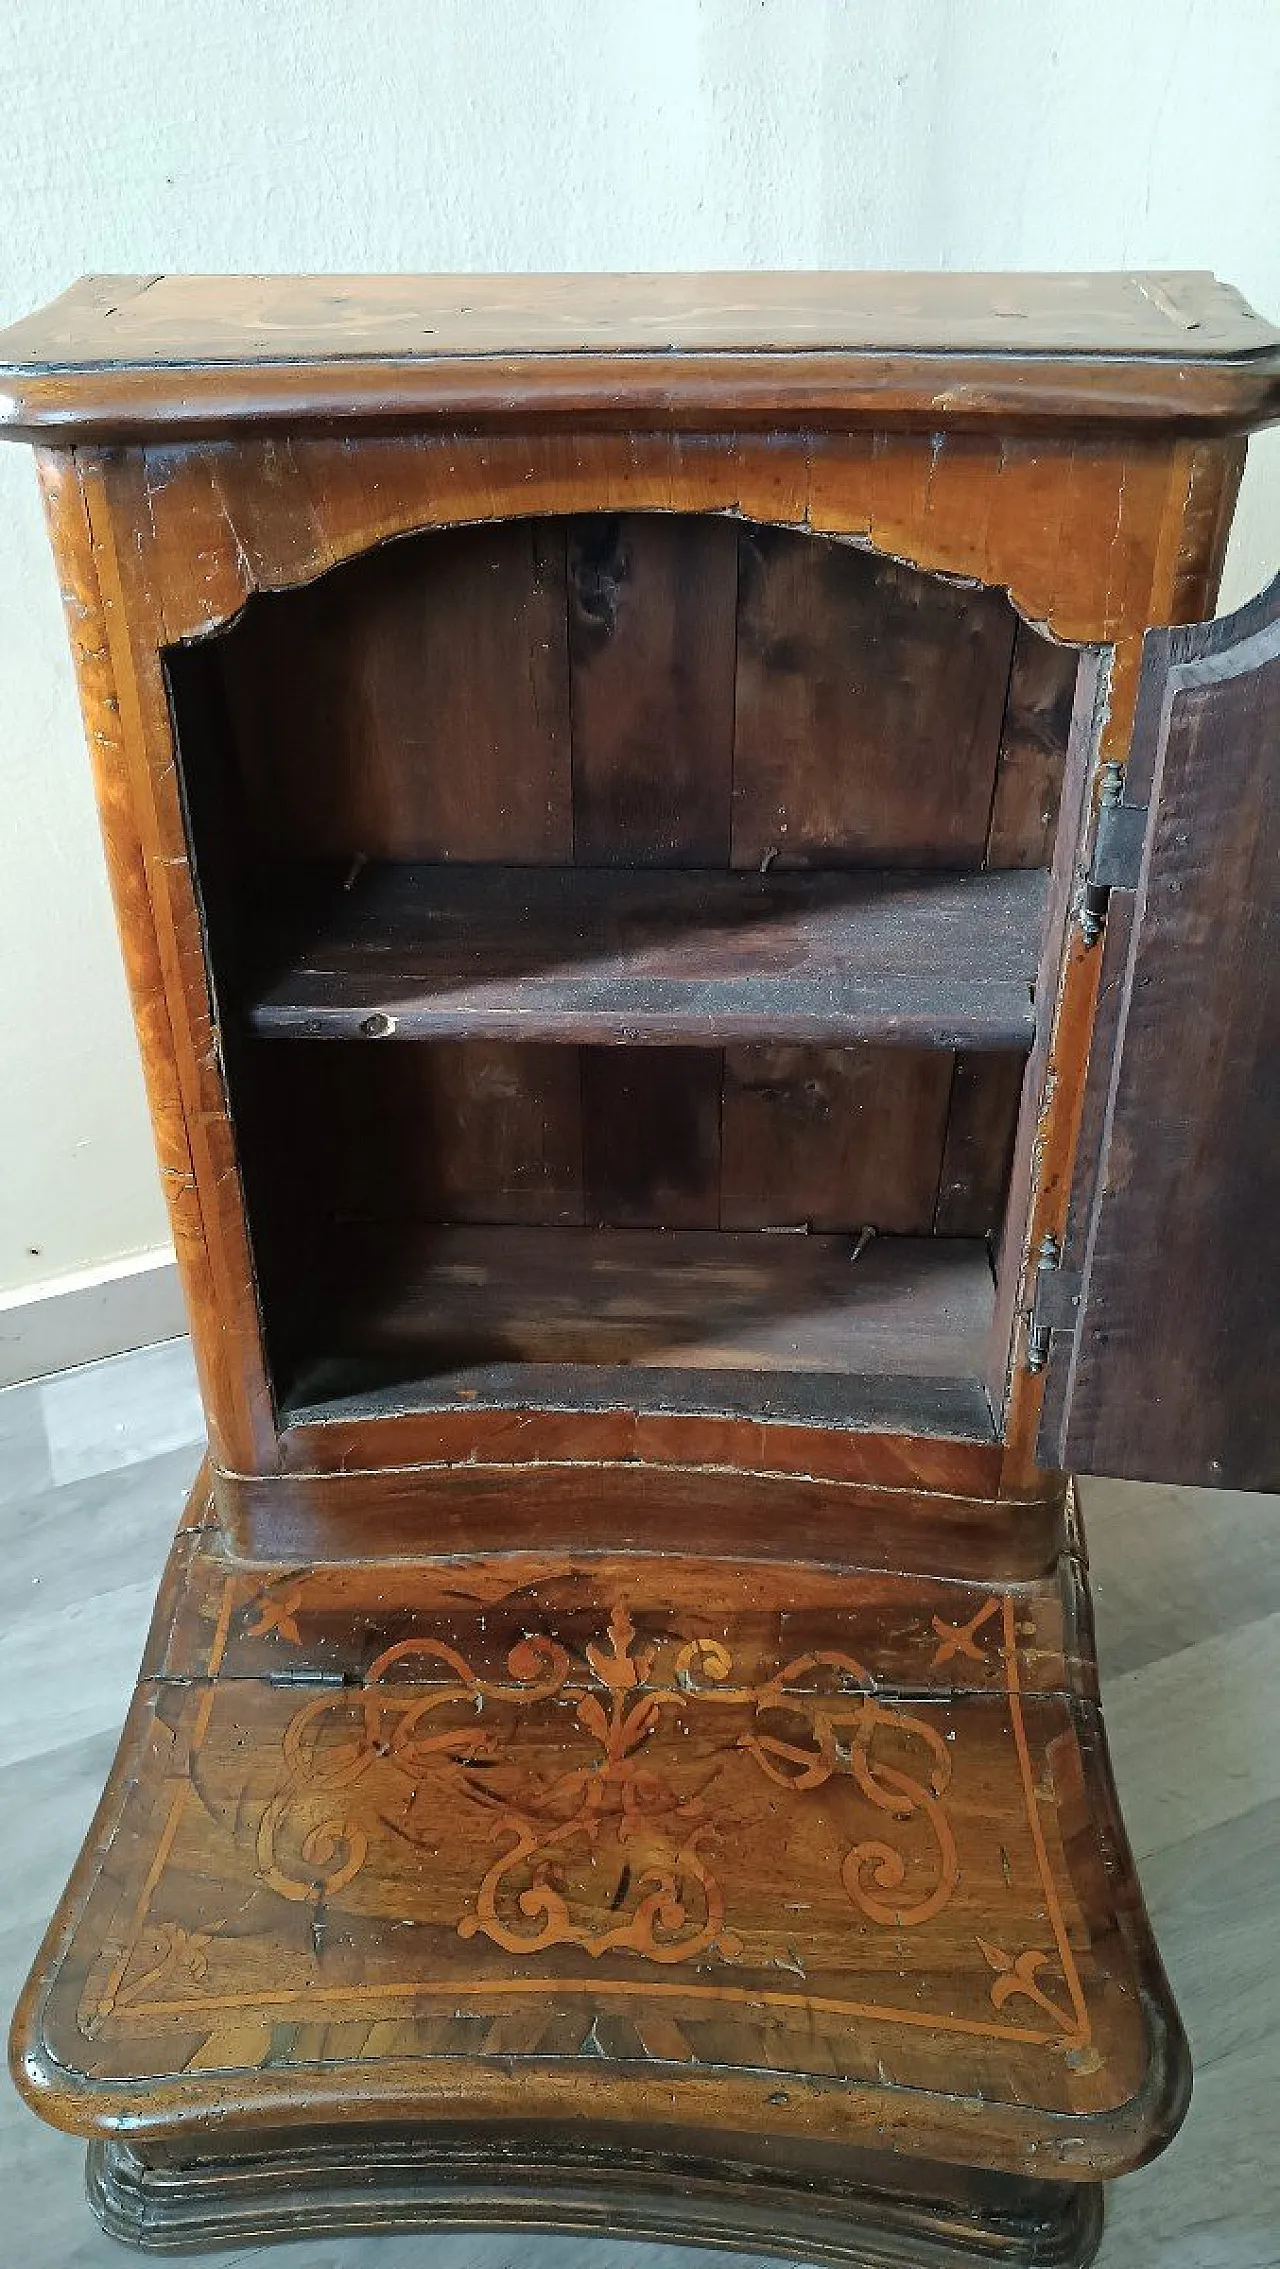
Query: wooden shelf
659, 956
780, 1324
943, 1409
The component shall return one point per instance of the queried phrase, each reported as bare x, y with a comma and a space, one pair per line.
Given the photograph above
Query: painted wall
526, 134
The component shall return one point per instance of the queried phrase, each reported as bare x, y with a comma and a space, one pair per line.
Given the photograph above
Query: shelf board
777, 1324
660, 956
954, 1410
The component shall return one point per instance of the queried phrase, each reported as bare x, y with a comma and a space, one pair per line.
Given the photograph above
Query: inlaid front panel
521, 1812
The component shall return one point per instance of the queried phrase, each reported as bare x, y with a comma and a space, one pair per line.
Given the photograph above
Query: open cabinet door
1158, 1323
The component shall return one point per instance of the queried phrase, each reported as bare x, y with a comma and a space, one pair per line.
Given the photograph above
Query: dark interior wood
333, 1392
712, 1300
690, 875
587, 954
775, 1321
870, 704
1163, 1361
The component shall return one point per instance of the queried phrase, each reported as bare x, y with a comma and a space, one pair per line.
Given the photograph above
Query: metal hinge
1056, 1302
1116, 864
307, 1674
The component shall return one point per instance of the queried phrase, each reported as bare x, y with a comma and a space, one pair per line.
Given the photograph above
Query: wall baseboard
78, 1318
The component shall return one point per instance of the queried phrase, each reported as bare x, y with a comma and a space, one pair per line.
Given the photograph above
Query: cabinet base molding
927, 2217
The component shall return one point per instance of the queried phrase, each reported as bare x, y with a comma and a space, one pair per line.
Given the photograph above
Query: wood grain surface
694, 1299
1095, 533
1168, 1373
869, 710
1027, 515
652, 609
813, 1854
644, 720
586, 955
118, 354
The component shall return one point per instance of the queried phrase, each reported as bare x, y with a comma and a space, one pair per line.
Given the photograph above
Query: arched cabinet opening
625, 936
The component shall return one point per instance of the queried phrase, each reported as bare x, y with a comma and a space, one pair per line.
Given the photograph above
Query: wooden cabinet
698, 897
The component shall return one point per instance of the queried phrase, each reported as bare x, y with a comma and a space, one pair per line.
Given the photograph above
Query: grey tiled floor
94, 1467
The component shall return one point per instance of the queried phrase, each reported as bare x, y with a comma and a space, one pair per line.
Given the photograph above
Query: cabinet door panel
1168, 1372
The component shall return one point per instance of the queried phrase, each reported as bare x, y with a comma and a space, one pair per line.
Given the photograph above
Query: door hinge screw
1048, 1258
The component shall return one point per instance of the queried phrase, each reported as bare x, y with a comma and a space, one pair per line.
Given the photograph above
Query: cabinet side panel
1026, 802
1033, 749
977, 1157
115, 641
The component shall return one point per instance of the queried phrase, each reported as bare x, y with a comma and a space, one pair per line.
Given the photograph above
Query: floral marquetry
511, 1809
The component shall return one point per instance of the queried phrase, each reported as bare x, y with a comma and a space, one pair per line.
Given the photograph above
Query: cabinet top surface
120, 355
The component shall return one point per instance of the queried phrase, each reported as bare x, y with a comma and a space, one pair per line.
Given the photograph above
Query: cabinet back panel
651, 1139
869, 705
617, 690
394, 1141
651, 612
644, 689
838, 1138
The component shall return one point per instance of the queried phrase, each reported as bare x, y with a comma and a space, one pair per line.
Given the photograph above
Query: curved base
287, 2188
560, 1898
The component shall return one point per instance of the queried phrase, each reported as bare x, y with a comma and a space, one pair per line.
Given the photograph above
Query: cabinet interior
624, 935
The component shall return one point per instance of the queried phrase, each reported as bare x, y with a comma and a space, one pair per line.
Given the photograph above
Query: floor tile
102, 1638
1173, 1567
1195, 1737
69, 1543
53, 1795
24, 1455
1213, 2200
113, 1414
1213, 1900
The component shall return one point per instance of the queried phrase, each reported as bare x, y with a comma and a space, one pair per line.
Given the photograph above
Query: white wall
510, 134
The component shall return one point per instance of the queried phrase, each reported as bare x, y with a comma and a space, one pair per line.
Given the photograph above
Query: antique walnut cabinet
694, 882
